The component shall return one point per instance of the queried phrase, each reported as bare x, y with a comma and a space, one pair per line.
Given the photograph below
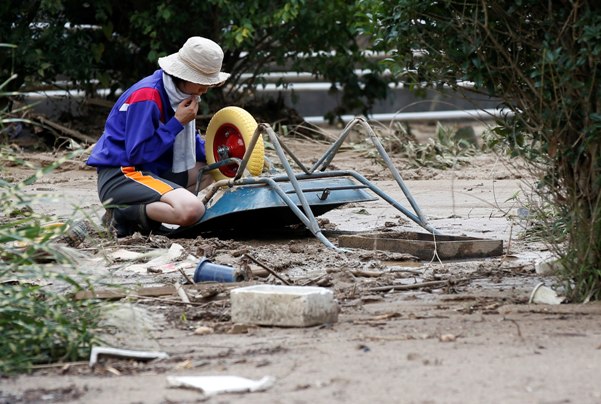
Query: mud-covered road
472, 338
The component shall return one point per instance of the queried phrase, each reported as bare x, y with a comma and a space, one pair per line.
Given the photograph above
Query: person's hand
186, 110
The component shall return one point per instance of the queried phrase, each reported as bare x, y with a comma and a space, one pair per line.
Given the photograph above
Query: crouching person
150, 153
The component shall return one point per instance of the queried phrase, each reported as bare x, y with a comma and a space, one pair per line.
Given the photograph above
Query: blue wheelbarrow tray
258, 207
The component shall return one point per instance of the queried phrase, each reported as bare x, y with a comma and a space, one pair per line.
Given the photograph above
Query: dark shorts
128, 186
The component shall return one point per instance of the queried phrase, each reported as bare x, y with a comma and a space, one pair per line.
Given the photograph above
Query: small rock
296, 247
203, 330
238, 329
447, 338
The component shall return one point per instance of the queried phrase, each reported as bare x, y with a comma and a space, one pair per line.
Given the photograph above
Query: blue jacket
140, 130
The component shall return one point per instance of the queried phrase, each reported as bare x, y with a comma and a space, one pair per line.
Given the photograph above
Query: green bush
544, 62
39, 322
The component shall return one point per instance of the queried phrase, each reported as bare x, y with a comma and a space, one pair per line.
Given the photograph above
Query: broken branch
72, 133
271, 271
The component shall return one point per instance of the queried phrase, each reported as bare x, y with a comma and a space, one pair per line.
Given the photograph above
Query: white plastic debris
542, 294
124, 353
523, 213
279, 305
548, 266
165, 262
189, 263
213, 385
125, 255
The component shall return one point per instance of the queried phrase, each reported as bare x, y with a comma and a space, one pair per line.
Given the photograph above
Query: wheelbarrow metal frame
318, 170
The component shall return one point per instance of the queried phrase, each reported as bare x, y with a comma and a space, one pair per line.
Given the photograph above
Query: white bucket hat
198, 61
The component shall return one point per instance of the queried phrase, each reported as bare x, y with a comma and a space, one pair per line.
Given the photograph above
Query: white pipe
306, 83
470, 114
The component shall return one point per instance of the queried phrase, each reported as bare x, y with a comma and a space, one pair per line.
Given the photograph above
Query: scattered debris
377, 320
204, 290
548, 266
122, 255
166, 262
523, 213
181, 292
447, 338
424, 245
189, 280
365, 273
213, 385
542, 294
124, 353
76, 233
321, 280
206, 271
271, 271
387, 316
238, 329
419, 285
203, 330
189, 263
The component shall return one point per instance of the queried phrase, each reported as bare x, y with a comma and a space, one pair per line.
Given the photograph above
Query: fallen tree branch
72, 133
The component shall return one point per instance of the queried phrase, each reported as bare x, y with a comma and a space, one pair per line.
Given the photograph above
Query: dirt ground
473, 338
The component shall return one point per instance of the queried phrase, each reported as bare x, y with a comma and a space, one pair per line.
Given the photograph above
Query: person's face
193, 88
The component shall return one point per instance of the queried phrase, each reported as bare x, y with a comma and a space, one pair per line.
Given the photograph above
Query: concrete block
287, 306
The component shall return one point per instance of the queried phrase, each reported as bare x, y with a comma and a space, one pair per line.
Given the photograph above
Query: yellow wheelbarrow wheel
228, 135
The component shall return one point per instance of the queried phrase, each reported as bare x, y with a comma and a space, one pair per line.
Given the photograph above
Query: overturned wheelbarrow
247, 194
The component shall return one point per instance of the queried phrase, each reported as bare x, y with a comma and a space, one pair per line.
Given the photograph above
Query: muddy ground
472, 338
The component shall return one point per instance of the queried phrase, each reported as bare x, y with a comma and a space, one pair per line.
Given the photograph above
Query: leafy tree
103, 43
52, 46
543, 60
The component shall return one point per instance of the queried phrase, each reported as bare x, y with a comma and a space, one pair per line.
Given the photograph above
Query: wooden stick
188, 279
408, 270
169, 301
152, 291
366, 274
418, 285
271, 271
59, 365
181, 292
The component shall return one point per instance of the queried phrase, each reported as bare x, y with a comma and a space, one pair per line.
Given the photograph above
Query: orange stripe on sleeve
146, 180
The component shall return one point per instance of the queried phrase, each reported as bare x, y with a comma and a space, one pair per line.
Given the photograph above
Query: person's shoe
126, 221
145, 224
119, 227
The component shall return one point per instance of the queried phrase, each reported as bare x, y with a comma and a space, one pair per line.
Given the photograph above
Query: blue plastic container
206, 271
